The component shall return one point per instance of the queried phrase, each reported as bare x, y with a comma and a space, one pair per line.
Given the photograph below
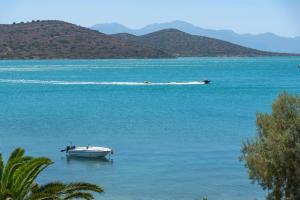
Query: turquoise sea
171, 141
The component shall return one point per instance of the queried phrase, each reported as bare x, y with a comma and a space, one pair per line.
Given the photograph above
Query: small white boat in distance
87, 151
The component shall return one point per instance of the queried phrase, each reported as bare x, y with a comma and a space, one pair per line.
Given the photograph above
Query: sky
281, 17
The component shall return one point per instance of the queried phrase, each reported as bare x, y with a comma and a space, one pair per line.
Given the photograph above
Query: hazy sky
243, 16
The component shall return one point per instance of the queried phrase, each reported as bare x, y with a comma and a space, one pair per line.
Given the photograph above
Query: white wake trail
43, 82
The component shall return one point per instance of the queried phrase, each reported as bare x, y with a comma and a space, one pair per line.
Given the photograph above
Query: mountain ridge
57, 39
181, 44
264, 41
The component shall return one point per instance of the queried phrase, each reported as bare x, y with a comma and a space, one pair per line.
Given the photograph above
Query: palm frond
43, 196
14, 162
1, 167
79, 195
25, 176
54, 187
6, 194
82, 186
17, 153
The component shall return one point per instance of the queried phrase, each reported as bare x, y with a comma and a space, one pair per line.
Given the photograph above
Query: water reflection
89, 161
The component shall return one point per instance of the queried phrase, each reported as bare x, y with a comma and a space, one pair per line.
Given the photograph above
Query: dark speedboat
206, 81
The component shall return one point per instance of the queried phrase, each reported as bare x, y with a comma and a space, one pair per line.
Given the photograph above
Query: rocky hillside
57, 39
180, 44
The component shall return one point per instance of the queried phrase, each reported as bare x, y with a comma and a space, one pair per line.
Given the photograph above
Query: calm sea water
171, 142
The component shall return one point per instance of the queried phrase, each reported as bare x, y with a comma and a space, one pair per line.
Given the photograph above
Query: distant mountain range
58, 39
264, 42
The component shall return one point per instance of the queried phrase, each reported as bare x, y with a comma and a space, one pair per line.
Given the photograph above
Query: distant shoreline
225, 57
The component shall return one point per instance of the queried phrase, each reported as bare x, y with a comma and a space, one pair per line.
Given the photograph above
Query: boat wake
43, 82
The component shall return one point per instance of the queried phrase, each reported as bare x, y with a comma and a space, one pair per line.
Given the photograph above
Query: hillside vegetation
57, 39
180, 44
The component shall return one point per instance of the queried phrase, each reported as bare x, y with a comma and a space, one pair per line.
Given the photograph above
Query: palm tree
17, 181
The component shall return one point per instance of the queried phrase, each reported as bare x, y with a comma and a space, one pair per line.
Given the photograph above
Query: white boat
88, 151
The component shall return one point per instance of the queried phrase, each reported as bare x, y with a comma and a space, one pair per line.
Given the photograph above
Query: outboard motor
69, 147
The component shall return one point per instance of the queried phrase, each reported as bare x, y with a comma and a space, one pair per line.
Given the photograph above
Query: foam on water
44, 82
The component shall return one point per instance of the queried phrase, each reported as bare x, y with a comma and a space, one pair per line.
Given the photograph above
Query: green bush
273, 156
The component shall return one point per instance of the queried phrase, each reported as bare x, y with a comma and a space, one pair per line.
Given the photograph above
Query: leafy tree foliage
273, 157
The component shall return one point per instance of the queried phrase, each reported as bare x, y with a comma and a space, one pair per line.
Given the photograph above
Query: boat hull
88, 154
